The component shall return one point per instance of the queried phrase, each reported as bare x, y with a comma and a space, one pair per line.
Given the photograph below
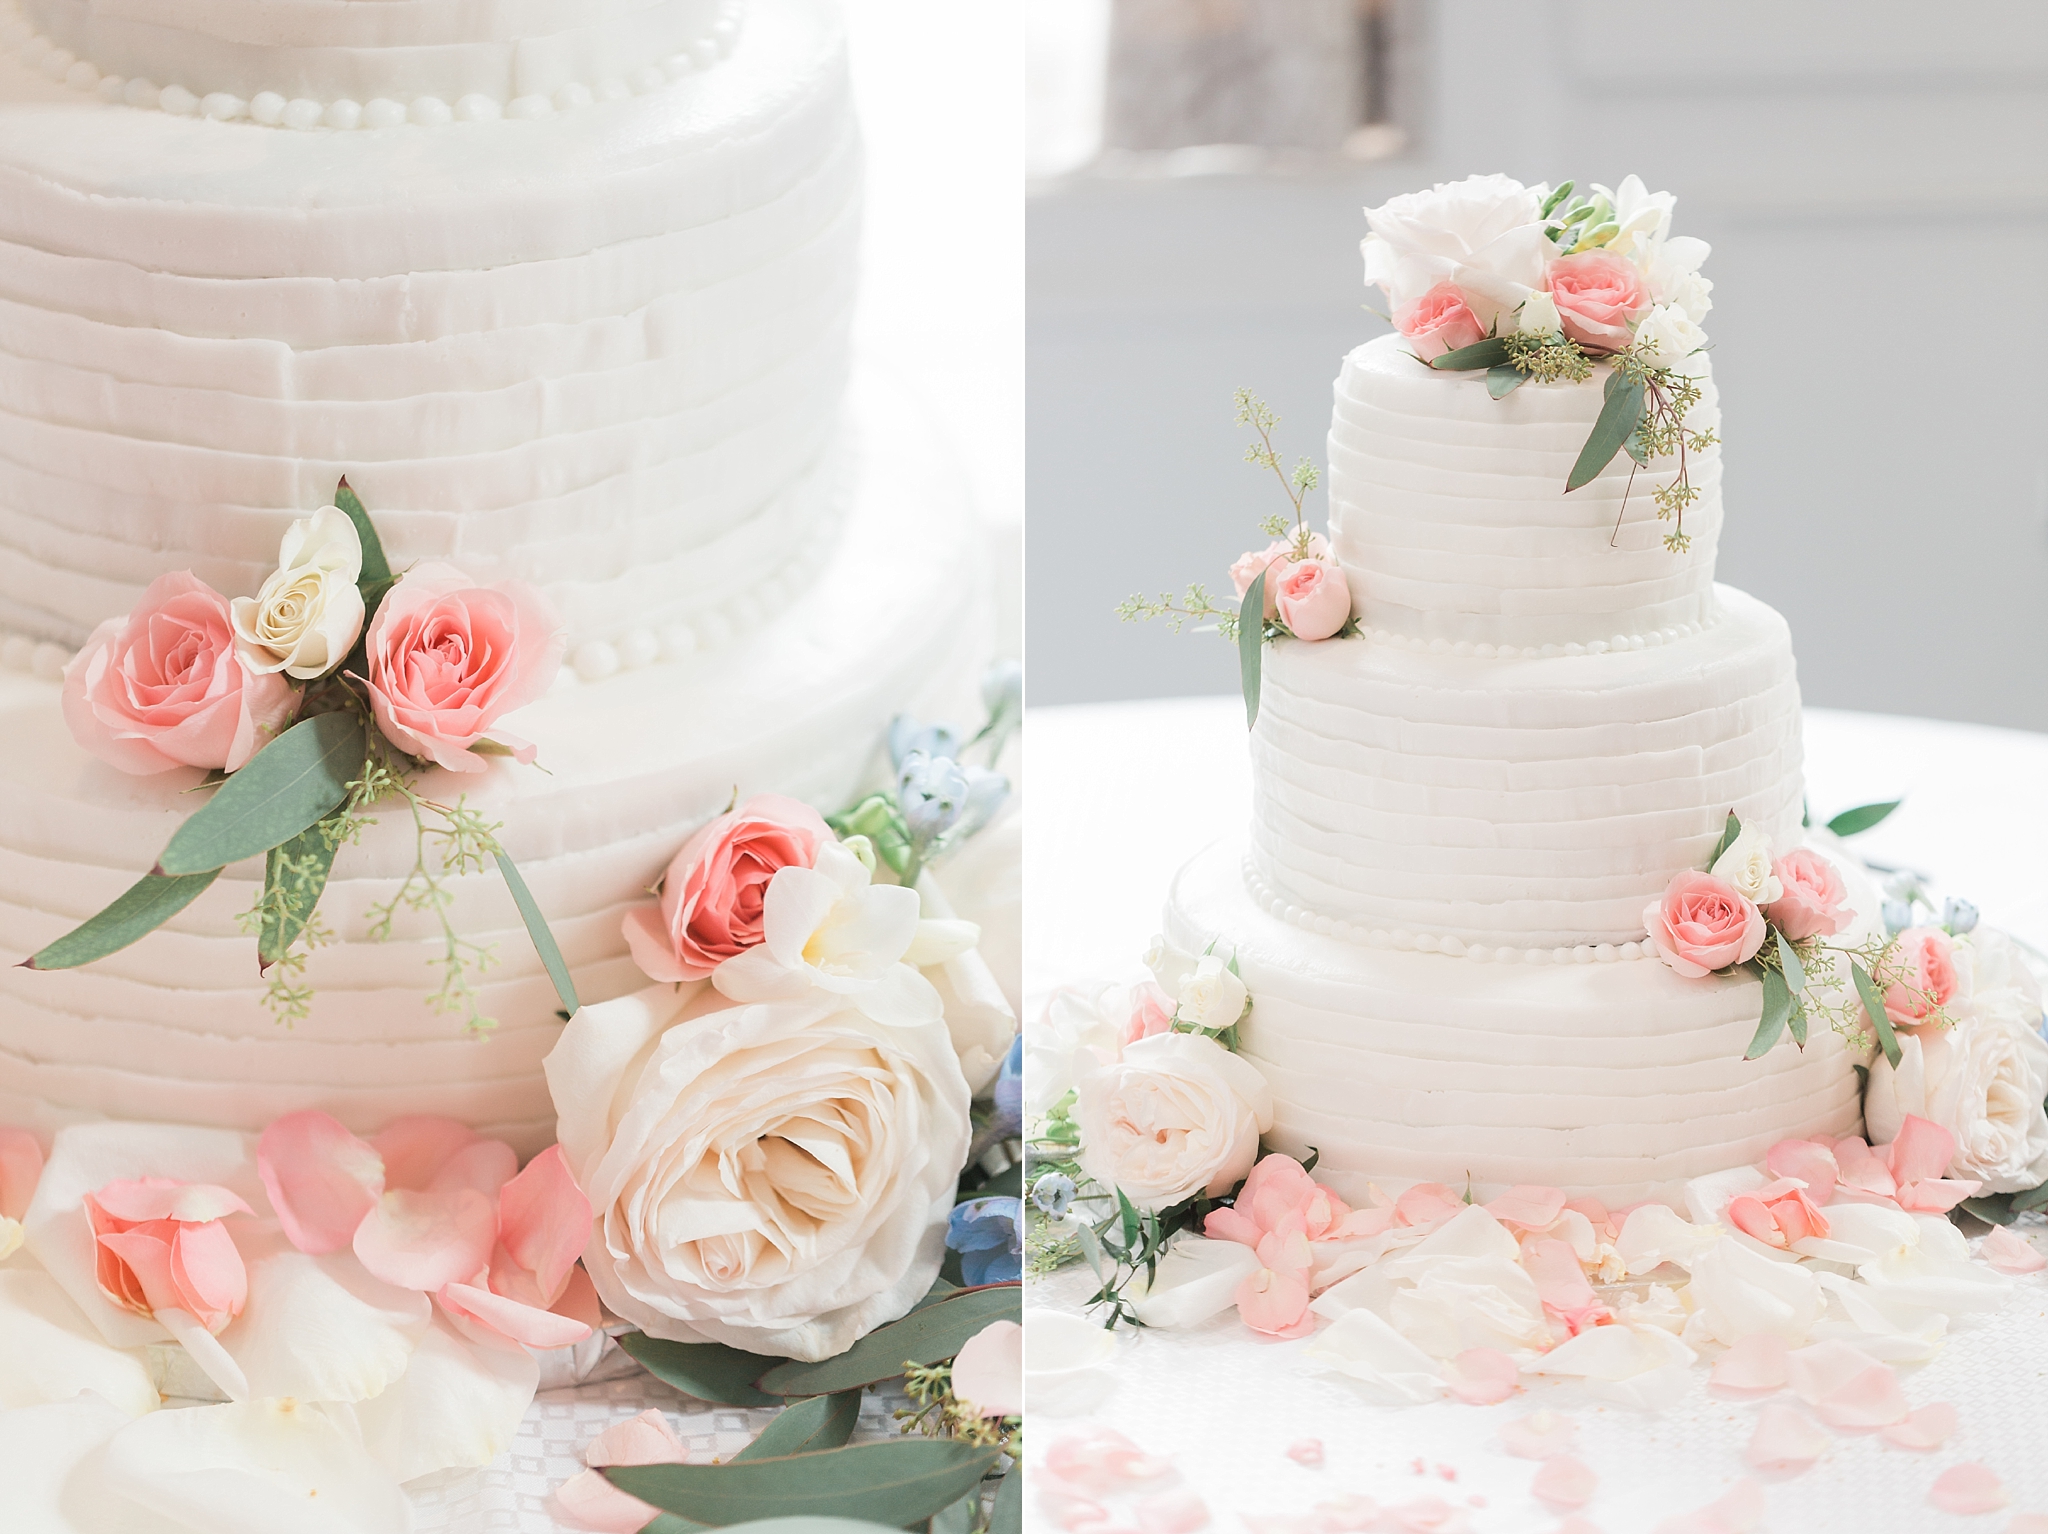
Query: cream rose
1484, 234
1983, 1082
774, 1176
1747, 867
309, 611
1211, 997
1178, 1115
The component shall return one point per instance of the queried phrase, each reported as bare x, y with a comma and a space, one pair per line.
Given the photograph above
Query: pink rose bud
1815, 902
716, 889
1249, 564
1703, 924
1597, 294
160, 1245
164, 688
1314, 600
448, 659
1440, 321
1926, 976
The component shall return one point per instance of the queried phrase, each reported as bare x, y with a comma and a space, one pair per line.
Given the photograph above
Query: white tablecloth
1124, 793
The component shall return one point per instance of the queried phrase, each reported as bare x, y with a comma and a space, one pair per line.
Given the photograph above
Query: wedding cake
562, 288
1468, 806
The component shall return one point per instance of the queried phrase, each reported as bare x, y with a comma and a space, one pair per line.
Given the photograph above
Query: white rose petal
1075, 1024
457, 1407
1644, 1367
1654, 1234
1196, 1278
1738, 1292
1212, 997
309, 611
1178, 1115
1365, 1347
50, 1481
51, 1351
1672, 270
320, 1328
1747, 865
1484, 233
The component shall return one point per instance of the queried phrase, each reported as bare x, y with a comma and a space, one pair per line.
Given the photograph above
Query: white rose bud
1170, 966
1212, 997
1539, 315
1670, 334
1747, 865
309, 611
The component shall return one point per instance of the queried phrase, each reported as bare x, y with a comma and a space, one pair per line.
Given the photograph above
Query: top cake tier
1449, 511
366, 50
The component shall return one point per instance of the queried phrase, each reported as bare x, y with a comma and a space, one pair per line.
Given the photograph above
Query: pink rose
160, 1245
1814, 903
163, 687
1777, 1214
448, 659
1249, 564
1314, 600
716, 888
1151, 1013
1925, 968
1597, 294
1703, 924
1438, 322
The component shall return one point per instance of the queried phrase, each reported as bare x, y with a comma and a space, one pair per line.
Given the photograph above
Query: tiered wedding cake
562, 286
1461, 814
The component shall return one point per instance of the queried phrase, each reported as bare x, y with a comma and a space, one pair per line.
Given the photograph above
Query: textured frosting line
364, 50
1449, 513
1618, 1080
604, 356
1521, 803
173, 1027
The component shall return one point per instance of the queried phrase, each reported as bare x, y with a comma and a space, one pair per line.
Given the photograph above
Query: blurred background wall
1873, 177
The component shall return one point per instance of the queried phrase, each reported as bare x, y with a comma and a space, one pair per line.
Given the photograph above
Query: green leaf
376, 568
822, 1422
1618, 418
941, 1289
896, 1483
1503, 378
537, 929
669, 1523
1251, 644
305, 861
1862, 818
880, 819
1777, 1008
292, 782
926, 1336
1993, 1208
1873, 1005
2029, 1201
1797, 1021
1729, 831
710, 1371
960, 1517
1788, 957
1008, 1514
140, 910
1129, 1214
1637, 453
1491, 352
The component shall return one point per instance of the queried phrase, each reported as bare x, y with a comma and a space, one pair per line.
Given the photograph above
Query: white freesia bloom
775, 1176
1644, 216
1484, 233
309, 611
1539, 315
833, 929
1212, 997
1178, 1115
1075, 1025
1747, 865
978, 1014
1670, 336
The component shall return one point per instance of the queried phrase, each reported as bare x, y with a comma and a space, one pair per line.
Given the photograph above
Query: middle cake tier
1411, 796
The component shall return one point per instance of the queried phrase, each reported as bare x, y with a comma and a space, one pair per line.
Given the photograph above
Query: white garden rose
1669, 335
1178, 1115
1077, 1026
1484, 234
1212, 997
1747, 866
309, 611
775, 1176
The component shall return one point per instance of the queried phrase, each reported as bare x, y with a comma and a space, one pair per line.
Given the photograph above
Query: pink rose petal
163, 1198
528, 1325
1757, 1362
1100, 1460
1427, 1203
1817, 1372
1809, 1162
1565, 1481
1347, 1514
1785, 1440
989, 1370
1482, 1376
588, 1501
1306, 1451
1872, 1399
643, 1440
2027, 1523
1179, 1511
1540, 1435
2010, 1252
427, 1241
416, 1147
1928, 1428
1275, 1302
485, 1165
21, 1168
1738, 1510
1578, 1524
1968, 1488
1534, 1208
1426, 1515
321, 1179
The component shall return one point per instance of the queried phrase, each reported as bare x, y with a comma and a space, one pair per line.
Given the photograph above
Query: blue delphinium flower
944, 802
1959, 916
1009, 1094
988, 1233
907, 735
1054, 1194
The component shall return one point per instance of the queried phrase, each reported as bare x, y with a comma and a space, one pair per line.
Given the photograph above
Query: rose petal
52, 1351
1922, 1151
1564, 1481
1197, 1278
1349, 1513
989, 1370
427, 1241
544, 1220
1428, 1203
1179, 1511
1533, 1207
2010, 1252
1785, 1440
416, 1147
589, 1501
1817, 1372
458, 1405
1307, 1452
1365, 1347
1968, 1488
320, 1328
1811, 1163
1275, 1302
1482, 1376
48, 1466
1100, 1461
2027, 1523
139, 1199
1540, 1435
321, 1179
1757, 1362
1872, 1399
643, 1440
1927, 1428
528, 1325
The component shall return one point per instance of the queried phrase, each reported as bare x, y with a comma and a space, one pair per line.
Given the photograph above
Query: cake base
1609, 1077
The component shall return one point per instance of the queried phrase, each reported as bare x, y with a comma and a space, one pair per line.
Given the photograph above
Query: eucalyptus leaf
960, 1517
138, 911
1638, 453
669, 1523
1007, 1517
1503, 378
941, 1289
1873, 1004
295, 780
1797, 1021
897, 1483
1251, 644
1731, 829
926, 1336
537, 929
1619, 416
1489, 353
822, 1422
1862, 818
1994, 1208
298, 871
1777, 1009
376, 569
1795, 972
1091, 1249
2031, 1200
710, 1371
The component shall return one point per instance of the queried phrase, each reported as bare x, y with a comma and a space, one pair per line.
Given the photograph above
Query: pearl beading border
58, 64
1649, 640
1404, 941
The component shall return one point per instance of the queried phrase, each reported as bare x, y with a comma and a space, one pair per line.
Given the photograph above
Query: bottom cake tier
175, 1027
1596, 1071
